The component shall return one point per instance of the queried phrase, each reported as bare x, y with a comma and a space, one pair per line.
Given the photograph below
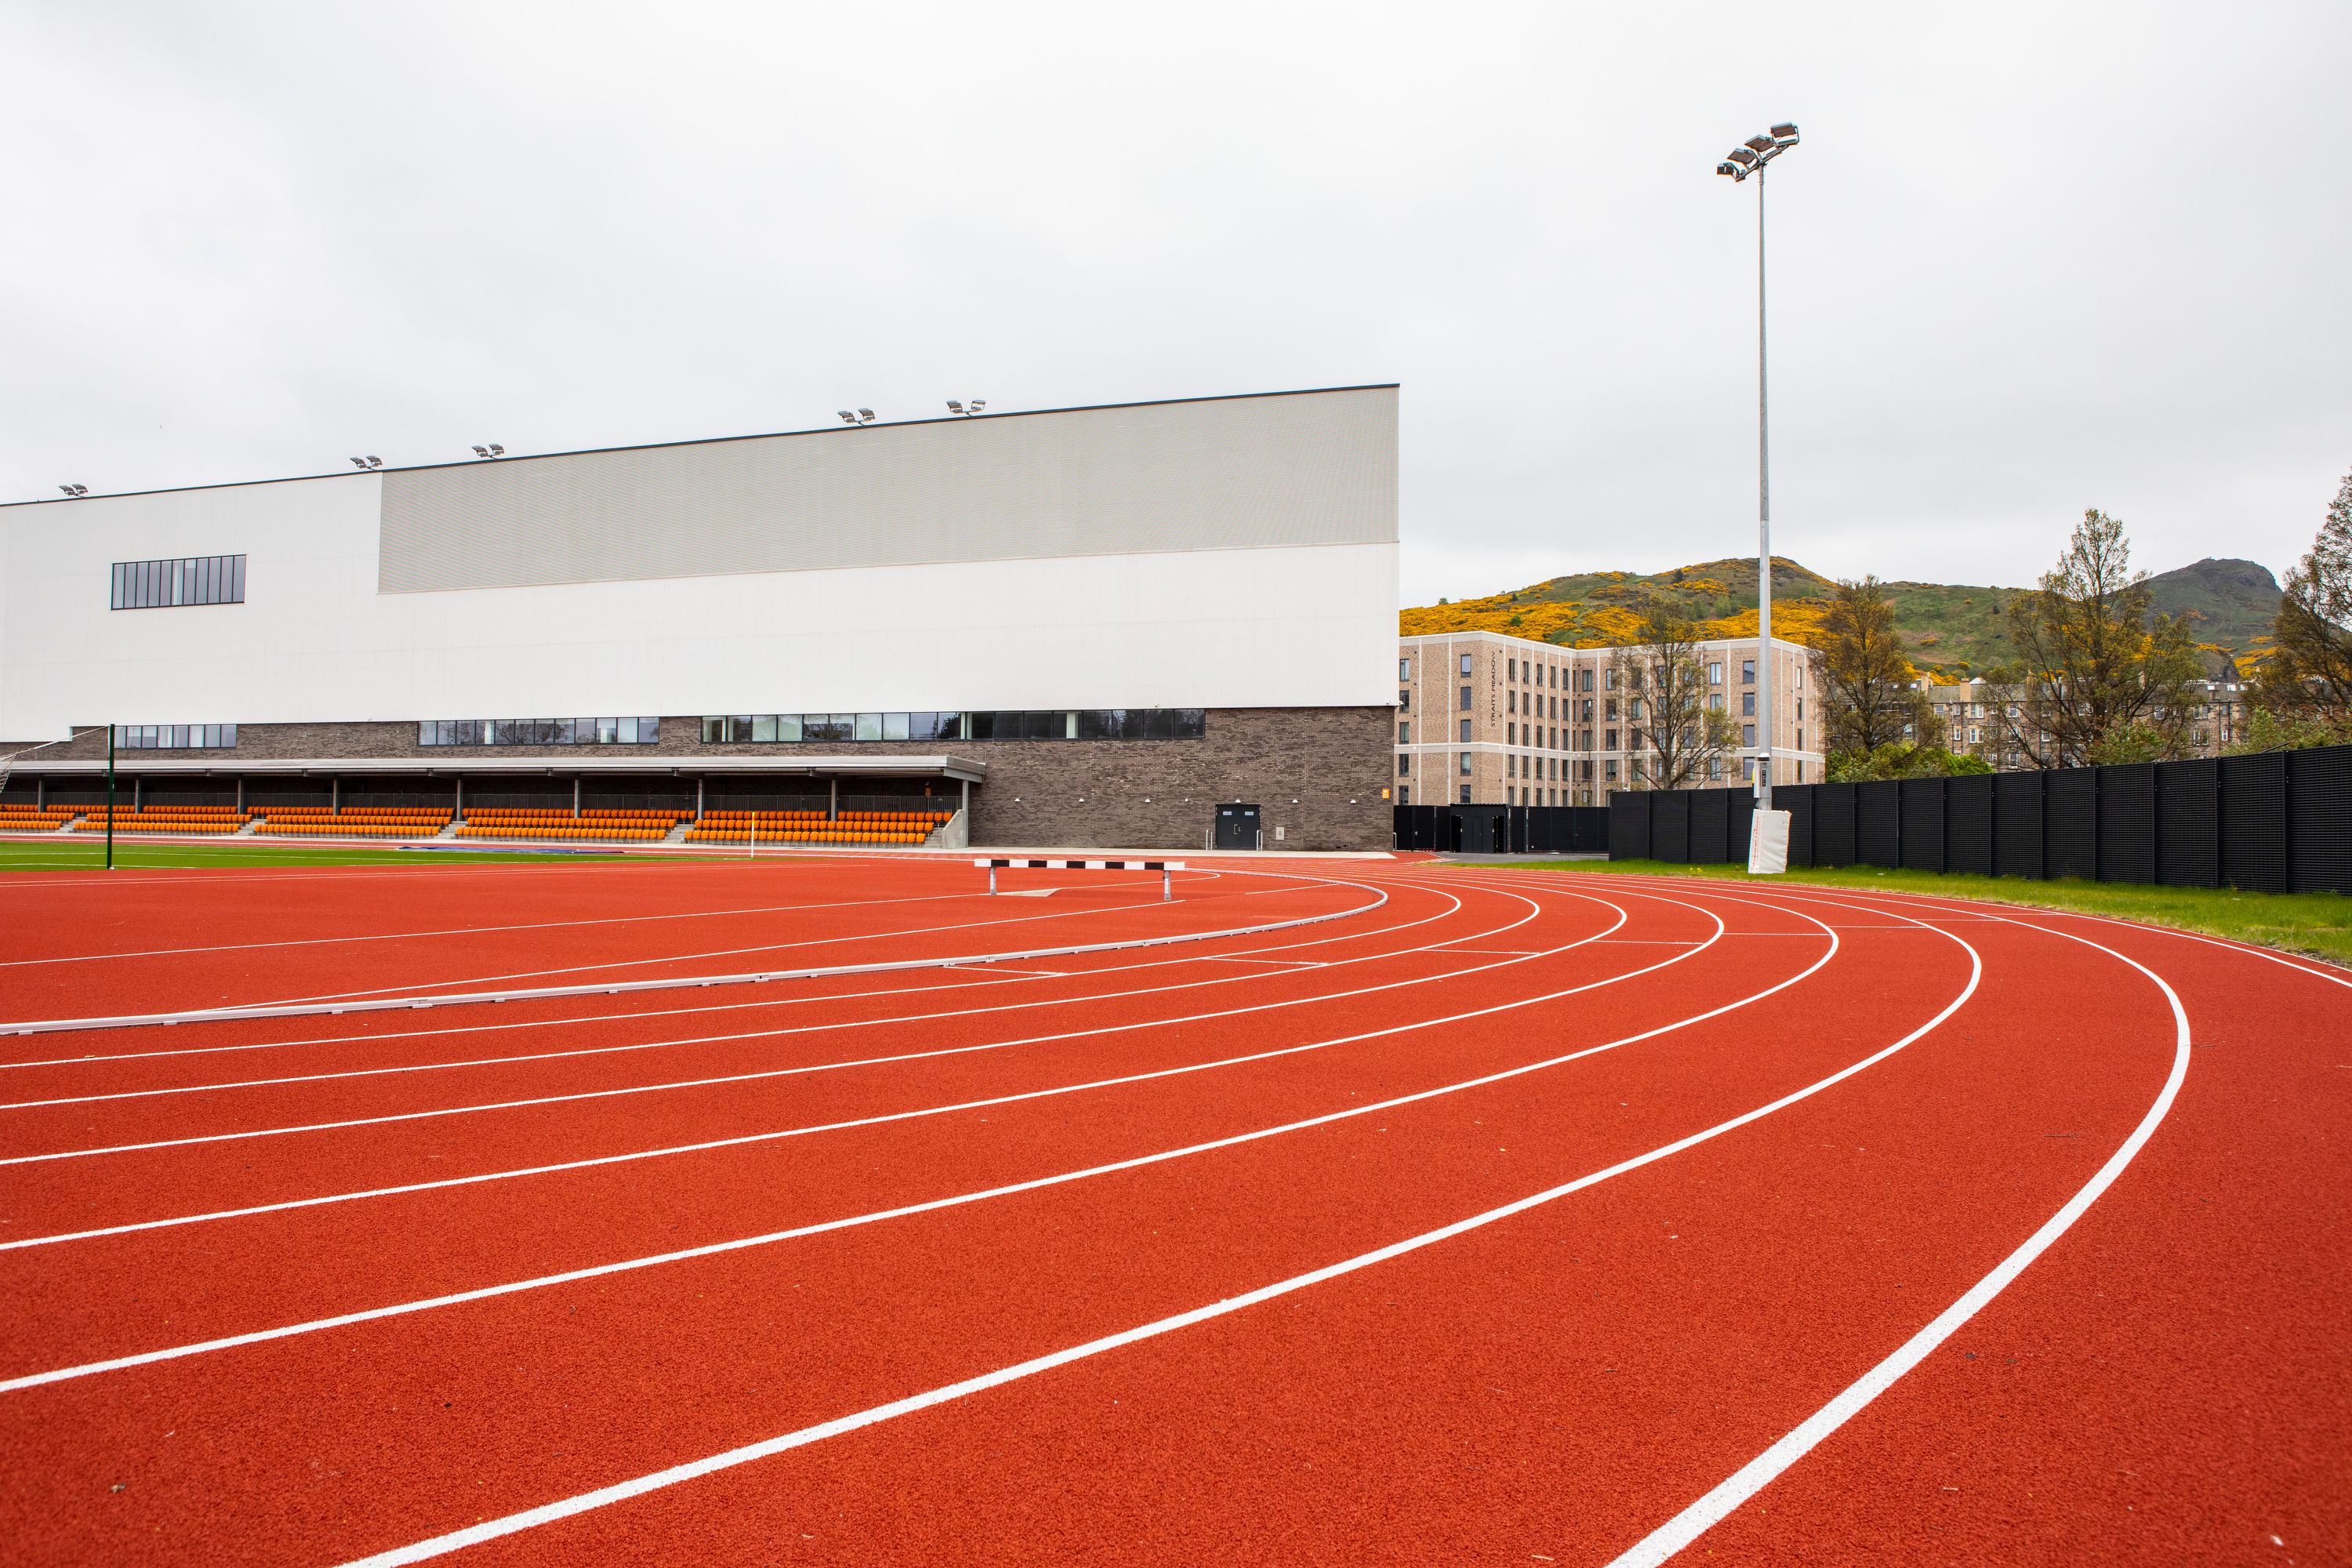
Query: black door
1236, 827
1454, 832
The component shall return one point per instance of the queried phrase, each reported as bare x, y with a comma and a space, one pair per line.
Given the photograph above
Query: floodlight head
1786, 135
482, 451
954, 406
1761, 143
1734, 170
1742, 156
863, 415
74, 490
358, 462
978, 404
497, 450
374, 461
846, 416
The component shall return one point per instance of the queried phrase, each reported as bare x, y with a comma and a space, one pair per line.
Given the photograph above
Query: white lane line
379, 1037
475, 931
765, 1072
956, 1201
603, 1497
1761, 1471
671, 982
750, 1138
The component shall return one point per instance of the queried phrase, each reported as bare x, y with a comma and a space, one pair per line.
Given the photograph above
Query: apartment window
1511, 701
1465, 699
1748, 734
1715, 675
1510, 764
1465, 664
1511, 734
1405, 734
1584, 681
1465, 730
1714, 700
1609, 740
1714, 767
1746, 672
1609, 771
1465, 795
1800, 769
1609, 708
1404, 670
627, 731
1747, 703
1404, 700
1404, 795
1511, 670
1801, 740
174, 737
1608, 679
190, 580
1801, 710
1465, 764
1404, 765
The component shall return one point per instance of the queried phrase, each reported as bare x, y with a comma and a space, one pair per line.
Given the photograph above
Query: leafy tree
1867, 697
2097, 673
1677, 738
1897, 761
2268, 730
2308, 675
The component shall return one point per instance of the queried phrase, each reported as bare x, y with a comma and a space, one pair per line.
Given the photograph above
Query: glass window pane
788, 727
869, 726
981, 727
1098, 724
1192, 723
228, 734
648, 728
236, 583
763, 727
894, 726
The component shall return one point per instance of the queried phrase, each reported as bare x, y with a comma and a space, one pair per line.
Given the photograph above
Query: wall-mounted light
863, 417
976, 405
365, 463
492, 450
74, 490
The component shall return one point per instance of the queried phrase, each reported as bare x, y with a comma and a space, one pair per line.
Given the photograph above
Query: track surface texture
1379, 1212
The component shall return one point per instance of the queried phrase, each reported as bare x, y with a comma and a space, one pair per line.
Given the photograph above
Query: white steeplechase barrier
1167, 869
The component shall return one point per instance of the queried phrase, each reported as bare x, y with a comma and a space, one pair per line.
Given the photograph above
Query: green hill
1952, 628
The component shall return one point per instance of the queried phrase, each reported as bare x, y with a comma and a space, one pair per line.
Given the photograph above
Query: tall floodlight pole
110, 797
1743, 161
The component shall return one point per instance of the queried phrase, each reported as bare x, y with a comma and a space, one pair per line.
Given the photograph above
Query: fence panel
1738, 823
1878, 823
2253, 822
2070, 822
1670, 825
2017, 825
2126, 822
1923, 824
2187, 828
1967, 823
1710, 825
1833, 824
2319, 820
1797, 800
1629, 826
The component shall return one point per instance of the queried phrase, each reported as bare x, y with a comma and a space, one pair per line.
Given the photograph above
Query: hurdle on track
1167, 869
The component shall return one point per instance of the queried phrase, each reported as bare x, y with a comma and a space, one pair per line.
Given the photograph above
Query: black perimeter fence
2275, 822
1505, 829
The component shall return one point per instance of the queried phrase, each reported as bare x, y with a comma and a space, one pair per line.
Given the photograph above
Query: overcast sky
2029, 258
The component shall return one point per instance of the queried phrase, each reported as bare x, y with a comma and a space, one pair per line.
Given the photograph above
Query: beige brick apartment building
1490, 720
1964, 712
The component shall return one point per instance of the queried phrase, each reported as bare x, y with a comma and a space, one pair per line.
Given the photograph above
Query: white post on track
991, 880
1166, 885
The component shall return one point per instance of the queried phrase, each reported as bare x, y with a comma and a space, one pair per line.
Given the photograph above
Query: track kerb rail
1167, 869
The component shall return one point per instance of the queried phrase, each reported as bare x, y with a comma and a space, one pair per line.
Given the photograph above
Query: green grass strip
84, 852
2316, 924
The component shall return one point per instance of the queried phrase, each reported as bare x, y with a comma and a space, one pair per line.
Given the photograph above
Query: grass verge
2316, 924
81, 852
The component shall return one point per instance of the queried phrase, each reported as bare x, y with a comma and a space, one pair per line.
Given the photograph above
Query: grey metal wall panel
2016, 823
2253, 822
1833, 824
1797, 800
1670, 825
1710, 826
2070, 822
1288, 469
1629, 826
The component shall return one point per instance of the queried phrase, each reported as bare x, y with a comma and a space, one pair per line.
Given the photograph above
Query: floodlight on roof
846, 416
865, 414
1762, 143
978, 404
482, 451
1742, 156
1734, 170
1786, 135
954, 406
497, 450
74, 490
358, 462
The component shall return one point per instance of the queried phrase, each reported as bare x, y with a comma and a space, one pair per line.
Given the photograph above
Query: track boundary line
1759, 1472
548, 1513
610, 988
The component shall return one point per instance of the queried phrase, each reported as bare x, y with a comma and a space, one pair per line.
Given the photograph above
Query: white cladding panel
1231, 473
1297, 624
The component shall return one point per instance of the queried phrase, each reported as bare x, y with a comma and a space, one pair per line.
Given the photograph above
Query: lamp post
1749, 158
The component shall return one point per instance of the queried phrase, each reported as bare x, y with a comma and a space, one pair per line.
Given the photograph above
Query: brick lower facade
1318, 775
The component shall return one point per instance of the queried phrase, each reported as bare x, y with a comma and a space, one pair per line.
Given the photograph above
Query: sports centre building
1119, 625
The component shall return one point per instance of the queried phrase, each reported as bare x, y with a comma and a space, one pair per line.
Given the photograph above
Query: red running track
1505, 1217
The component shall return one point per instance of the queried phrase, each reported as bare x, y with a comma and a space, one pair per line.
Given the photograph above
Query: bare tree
1867, 697
1677, 734
2309, 676
2097, 677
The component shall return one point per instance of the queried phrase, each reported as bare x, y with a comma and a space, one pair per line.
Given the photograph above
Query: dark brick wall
1316, 773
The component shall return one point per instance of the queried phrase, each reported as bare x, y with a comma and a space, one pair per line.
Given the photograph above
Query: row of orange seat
534, 830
